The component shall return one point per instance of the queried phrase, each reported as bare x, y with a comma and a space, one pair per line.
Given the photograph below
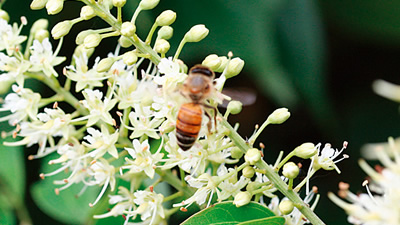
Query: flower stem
274, 177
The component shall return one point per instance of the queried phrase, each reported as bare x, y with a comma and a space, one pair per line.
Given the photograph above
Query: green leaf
275, 220
12, 168
228, 213
6, 216
65, 206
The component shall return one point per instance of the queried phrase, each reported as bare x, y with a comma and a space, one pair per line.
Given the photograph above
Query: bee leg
209, 117
209, 126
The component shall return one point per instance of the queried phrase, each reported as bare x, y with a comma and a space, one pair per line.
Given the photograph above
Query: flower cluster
125, 108
379, 205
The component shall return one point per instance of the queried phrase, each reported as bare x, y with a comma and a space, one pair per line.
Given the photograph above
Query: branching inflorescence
133, 118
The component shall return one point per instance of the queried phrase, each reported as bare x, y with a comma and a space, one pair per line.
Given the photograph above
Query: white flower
13, 69
228, 188
149, 205
144, 122
103, 175
172, 75
99, 110
43, 59
82, 75
51, 123
143, 159
102, 142
380, 205
325, 157
206, 186
22, 104
123, 201
10, 38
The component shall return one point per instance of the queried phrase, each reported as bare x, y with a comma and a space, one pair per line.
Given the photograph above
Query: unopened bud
306, 150
4, 15
54, 6
87, 12
286, 206
234, 107
118, 3
40, 24
167, 127
252, 156
222, 66
252, 186
290, 170
148, 4
105, 65
279, 116
128, 29
242, 198
248, 172
161, 46
235, 66
38, 4
212, 61
165, 32
236, 153
40, 35
124, 42
61, 29
92, 40
80, 50
166, 18
82, 35
196, 33
130, 58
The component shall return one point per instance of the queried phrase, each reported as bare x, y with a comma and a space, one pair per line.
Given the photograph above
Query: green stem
171, 179
275, 178
259, 130
290, 155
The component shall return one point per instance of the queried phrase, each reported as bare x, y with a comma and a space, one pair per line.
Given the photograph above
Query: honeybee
198, 86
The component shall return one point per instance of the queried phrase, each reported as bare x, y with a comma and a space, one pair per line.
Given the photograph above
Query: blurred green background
317, 58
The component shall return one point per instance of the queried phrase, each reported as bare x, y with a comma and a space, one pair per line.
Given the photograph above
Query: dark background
317, 58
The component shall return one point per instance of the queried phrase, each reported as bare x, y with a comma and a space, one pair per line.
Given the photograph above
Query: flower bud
235, 66
87, 12
161, 46
165, 32
286, 206
92, 40
196, 33
290, 170
80, 49
252, 156
182, 66
38, 4
118, 3
130, 58
82, 35
279, 116
166, 18
242, 198
234, 107
166, 127
40, 24
4, 15
248, 172
61, 29
40, 35
236, 153
128, 29
148, 4
54, 6
124, 42
105, 65
224, 61
212, 61
252, 186
306, 150
5, 86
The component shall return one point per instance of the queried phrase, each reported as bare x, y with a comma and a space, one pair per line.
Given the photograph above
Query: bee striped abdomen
188, 125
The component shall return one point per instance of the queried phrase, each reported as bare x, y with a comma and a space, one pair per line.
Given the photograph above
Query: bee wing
246, 96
